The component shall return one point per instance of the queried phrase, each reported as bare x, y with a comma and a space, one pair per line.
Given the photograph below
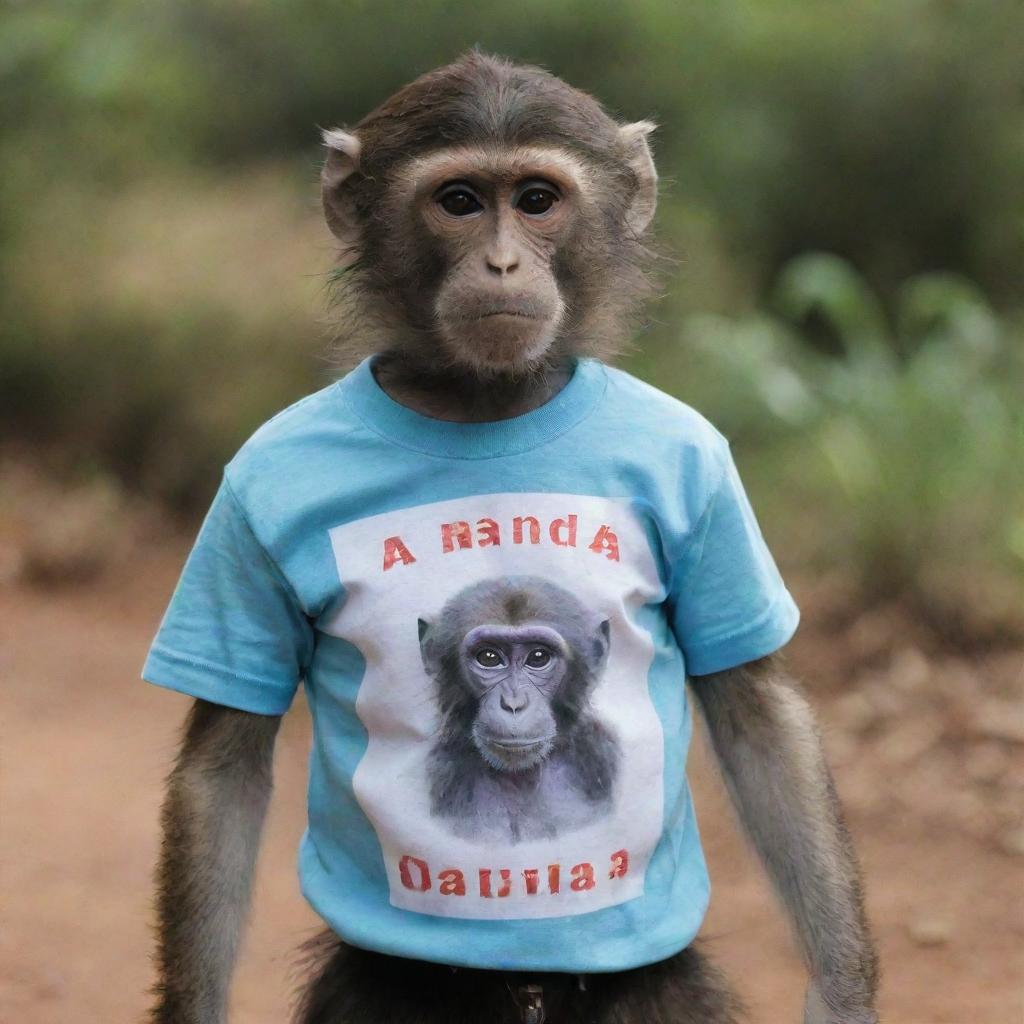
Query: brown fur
212, 817
354, 986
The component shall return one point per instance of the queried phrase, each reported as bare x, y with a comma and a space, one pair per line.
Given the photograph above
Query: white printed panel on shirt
514, 766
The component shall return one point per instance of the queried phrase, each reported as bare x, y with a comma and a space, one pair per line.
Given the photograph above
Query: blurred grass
841, 182
901, 459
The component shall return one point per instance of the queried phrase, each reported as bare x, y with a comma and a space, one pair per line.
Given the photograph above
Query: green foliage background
843, 186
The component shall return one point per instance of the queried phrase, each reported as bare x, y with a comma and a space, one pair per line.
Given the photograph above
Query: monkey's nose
502, 263
514, 702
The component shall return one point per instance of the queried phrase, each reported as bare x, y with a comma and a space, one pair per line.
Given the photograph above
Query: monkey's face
492, 219
495, 222
514, 671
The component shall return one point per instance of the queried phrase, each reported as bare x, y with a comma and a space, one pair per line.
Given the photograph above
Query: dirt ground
928, 750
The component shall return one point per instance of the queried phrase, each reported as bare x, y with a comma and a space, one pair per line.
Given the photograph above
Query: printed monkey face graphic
514, 660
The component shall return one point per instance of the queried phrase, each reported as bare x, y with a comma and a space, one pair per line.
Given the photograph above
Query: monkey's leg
356, 986
684, 989
212, 817
768, 746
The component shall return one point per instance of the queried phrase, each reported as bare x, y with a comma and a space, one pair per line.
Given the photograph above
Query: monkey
494, 234
515, 660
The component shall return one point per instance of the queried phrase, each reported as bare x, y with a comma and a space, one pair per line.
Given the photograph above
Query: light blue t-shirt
493, 623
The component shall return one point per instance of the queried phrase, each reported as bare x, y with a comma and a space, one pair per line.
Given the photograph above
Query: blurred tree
891, 134
158, 226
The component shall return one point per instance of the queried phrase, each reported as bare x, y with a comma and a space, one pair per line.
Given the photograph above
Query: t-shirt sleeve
729, 604
234, 632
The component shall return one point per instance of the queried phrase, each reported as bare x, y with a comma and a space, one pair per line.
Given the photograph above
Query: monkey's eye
459, 202
538, 658
488, 657
536, 201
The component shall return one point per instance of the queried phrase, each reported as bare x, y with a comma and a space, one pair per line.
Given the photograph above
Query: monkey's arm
212, 818
770, 752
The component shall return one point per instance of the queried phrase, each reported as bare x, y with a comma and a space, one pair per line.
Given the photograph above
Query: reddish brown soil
927, 752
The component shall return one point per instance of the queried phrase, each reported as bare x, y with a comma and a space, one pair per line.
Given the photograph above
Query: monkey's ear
633, 138
343, 152
602, 641
426, 648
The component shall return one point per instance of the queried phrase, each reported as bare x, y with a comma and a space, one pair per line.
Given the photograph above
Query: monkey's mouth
512, 753
511, 744
489, 307
519, 314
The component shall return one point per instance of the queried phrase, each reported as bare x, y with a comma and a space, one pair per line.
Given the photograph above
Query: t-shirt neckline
410, 429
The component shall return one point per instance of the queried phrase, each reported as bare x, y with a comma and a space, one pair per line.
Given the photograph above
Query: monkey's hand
816, 1011
213, 814
768, 746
